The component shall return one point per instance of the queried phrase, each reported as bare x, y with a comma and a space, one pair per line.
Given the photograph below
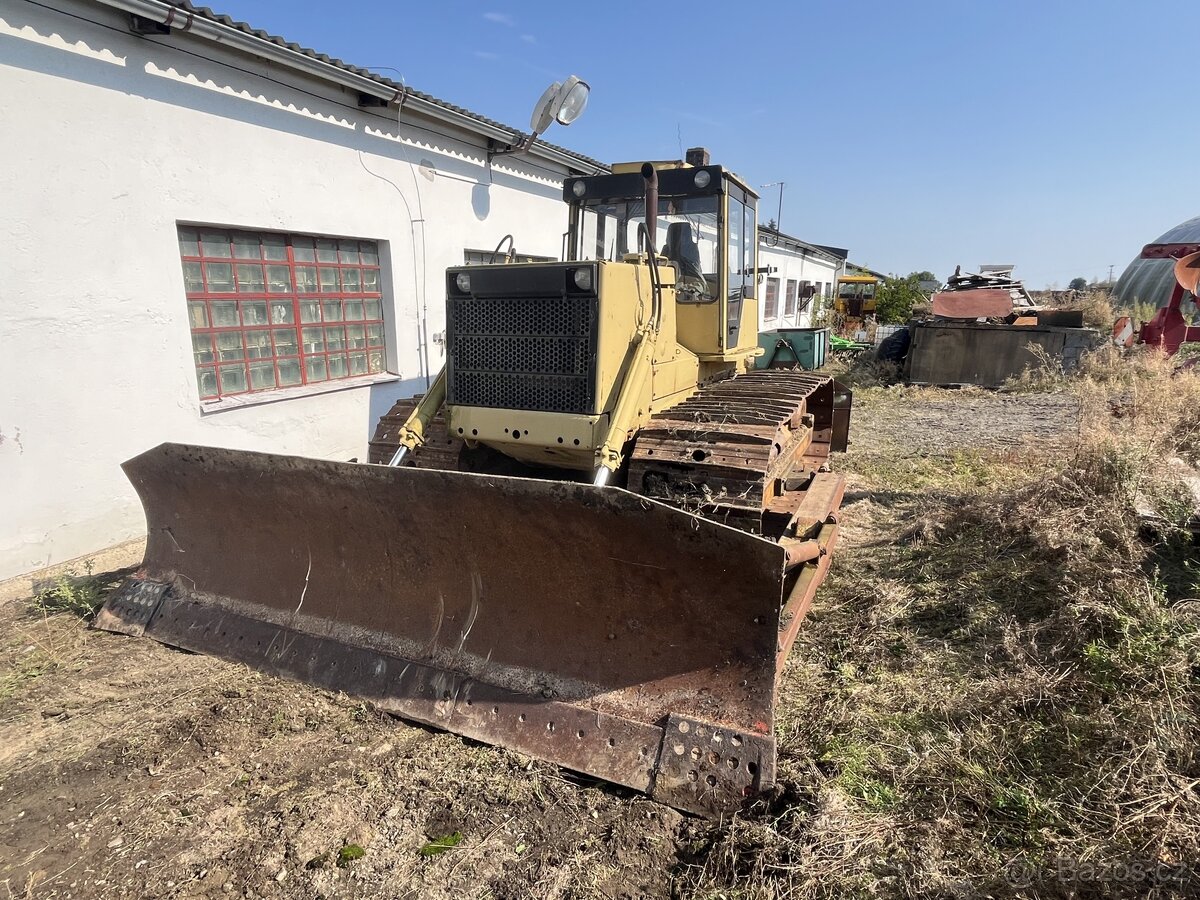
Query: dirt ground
918, 421
128, 769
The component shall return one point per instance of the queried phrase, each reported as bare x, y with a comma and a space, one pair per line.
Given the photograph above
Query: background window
270, 310
806, 292
771, 301
789, 300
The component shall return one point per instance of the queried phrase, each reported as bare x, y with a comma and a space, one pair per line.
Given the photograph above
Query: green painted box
787, 348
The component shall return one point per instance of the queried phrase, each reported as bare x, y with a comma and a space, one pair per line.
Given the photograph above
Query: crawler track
736, 449
440, 450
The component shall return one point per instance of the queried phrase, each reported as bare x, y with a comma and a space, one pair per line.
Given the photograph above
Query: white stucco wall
108, 140
791, 263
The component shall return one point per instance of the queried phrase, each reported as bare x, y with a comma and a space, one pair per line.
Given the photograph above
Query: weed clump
76, 593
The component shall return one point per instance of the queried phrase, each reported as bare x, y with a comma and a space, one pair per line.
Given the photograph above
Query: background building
1152, 280
798, 274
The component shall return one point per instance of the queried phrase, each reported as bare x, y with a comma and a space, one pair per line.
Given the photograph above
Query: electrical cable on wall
421, 213
420, 281
417, 287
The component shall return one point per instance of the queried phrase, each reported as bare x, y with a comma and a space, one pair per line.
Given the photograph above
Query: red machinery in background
1168, 329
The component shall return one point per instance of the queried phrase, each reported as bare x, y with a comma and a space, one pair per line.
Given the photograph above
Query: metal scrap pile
990, 293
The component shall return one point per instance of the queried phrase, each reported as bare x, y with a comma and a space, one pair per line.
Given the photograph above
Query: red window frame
771, 300
271, 310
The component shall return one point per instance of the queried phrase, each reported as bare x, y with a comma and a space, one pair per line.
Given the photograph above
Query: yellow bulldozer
854, 301
592, 540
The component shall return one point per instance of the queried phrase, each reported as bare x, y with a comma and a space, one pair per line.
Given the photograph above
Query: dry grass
862, 370
1003, 699
1097, 308
1098, 311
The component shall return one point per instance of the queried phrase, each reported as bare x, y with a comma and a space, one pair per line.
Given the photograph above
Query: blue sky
918, 135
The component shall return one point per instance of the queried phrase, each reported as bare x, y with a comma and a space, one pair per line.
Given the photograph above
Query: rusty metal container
957, 353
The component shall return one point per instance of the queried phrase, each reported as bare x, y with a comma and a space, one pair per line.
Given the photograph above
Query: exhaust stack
650, 174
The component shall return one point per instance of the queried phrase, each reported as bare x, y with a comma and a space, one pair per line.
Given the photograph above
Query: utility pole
1110, 270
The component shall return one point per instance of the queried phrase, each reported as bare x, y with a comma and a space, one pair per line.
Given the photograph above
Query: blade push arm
413, 431
626, 412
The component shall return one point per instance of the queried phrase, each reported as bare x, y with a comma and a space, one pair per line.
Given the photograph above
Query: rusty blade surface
547, 591
689, 763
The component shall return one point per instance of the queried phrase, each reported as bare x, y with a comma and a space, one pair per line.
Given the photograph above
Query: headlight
702, 178
583, 279
579, 189
463, 280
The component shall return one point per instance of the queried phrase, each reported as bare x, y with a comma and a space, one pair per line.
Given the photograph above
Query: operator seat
682, 250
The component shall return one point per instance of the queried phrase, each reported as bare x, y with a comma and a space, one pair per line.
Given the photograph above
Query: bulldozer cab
856, 295
710, 238
559, 364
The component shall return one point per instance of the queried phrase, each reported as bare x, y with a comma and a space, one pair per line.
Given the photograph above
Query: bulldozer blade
590, 627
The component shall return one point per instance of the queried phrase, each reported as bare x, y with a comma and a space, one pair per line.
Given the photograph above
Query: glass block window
771, 300
271, 310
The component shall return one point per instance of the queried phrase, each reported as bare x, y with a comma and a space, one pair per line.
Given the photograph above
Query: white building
799, 277
212, 236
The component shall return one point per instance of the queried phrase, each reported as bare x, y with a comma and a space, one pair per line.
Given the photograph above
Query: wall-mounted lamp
563, 102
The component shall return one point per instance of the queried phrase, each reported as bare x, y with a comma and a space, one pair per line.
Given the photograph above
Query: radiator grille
519, 353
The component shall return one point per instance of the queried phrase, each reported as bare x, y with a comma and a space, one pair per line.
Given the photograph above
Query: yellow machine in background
592, 540
854, 300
